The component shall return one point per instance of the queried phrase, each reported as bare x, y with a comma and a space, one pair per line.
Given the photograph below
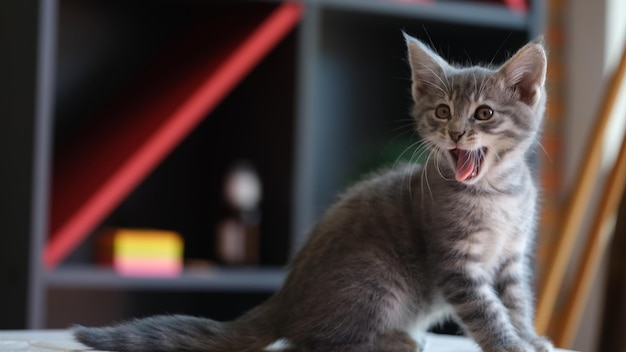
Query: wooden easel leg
614, 317
577, 206
595, 247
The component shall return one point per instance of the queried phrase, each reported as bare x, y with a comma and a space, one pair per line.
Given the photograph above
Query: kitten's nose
456, 136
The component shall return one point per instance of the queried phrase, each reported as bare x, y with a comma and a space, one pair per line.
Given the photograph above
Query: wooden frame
567, 323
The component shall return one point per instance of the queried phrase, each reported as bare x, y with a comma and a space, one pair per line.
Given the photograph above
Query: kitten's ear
427, 68
525, 72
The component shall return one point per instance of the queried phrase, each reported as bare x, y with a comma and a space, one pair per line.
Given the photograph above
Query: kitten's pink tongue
464, 165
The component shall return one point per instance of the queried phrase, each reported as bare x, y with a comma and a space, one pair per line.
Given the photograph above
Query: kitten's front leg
481, 312
515, 292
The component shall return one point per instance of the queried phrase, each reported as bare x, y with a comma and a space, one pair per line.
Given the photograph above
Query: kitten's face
476, 120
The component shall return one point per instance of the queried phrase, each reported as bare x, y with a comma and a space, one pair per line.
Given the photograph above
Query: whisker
438, 77
433, 85
408, 177
544, 150
425, 178
500, 48
415, 145
430, 40
419, 148
424, 146
469, 58
438, 157
475, 84
408, 124
483, 84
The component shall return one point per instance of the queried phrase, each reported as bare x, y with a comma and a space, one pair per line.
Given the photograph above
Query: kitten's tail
165, 333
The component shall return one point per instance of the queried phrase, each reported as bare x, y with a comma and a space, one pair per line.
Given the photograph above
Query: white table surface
61, 340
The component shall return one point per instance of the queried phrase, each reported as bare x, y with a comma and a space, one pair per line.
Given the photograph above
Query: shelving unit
137, 122
128, 162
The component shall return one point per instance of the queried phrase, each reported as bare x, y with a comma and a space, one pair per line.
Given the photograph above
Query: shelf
457, 12
217, 279
97, 171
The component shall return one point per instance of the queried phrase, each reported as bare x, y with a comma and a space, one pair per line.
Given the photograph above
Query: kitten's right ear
525, 72
428, 70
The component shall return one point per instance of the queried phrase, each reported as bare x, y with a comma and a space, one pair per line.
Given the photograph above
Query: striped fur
407, 247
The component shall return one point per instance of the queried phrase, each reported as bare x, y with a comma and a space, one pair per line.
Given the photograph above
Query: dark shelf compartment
117, 149
185, 192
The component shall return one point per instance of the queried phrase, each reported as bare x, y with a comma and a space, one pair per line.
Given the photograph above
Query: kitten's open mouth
468, 163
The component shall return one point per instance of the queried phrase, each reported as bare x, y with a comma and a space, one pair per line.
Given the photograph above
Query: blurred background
171, 156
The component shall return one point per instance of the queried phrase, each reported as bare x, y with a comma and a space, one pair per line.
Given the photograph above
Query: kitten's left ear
525, 72
428, 69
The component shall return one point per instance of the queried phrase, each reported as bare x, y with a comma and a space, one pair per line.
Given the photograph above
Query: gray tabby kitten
412, 246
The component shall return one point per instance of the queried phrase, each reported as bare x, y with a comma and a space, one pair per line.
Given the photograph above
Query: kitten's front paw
537, 344
542, 344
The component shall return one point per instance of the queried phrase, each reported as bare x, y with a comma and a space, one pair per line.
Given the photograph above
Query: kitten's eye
442, 111
483, 113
